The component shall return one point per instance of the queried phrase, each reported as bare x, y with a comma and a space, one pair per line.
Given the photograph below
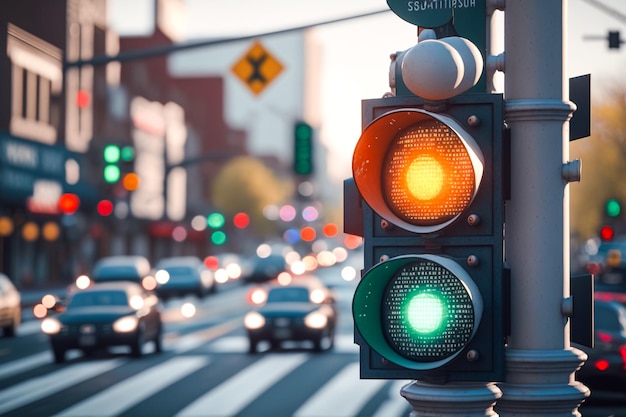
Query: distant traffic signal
114, 156
303, 148
613, 207
432, 302
69, 203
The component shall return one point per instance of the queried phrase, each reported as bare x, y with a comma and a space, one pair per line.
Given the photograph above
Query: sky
361, 48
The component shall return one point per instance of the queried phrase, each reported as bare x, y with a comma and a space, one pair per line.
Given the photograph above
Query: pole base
452, 399
540, 383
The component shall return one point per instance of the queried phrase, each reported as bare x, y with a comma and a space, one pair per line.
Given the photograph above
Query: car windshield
99, 298
610, 319
179, 270
288, 294
117, 273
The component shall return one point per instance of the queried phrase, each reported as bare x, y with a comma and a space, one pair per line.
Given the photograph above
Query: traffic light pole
539, 359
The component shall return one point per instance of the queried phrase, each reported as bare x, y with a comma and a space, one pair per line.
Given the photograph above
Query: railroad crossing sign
257, 68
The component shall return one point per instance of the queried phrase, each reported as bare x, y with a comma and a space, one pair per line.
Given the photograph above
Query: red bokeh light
105, 208
211, 262
82, 99
241, 220
69, 203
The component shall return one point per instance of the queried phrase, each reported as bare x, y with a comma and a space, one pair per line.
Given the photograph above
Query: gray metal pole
540, 362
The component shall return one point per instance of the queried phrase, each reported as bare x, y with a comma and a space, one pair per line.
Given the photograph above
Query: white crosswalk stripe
330, 400
343, 394
237, 392
116, 400
343, 344
37, 388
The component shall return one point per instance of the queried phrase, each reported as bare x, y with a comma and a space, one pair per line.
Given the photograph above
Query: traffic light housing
432, 303
303, 148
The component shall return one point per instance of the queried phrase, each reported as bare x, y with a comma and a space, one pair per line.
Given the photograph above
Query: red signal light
607, 233
83, 98
69, 203
105, 208
241, 220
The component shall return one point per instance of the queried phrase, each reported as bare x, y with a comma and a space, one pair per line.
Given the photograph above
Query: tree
604, 165
246, 184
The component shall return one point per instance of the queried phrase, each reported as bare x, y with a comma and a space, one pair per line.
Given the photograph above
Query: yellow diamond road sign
257, 68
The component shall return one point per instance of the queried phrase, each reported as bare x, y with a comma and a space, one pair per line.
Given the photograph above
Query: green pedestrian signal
303, 149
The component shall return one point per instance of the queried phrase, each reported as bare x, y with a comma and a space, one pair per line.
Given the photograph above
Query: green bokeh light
215, 220
613, 208
218, 237
111, 154
111, 173
127, 153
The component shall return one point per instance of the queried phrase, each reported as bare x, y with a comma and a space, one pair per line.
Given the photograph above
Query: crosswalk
191, 379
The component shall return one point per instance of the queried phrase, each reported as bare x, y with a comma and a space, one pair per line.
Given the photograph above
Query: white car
10, 307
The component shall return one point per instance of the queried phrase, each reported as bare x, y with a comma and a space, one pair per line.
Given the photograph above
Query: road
205, 370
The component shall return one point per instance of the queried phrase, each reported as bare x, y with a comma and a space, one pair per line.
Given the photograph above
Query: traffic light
113, 156
303, 148
614, 39
69, 203
613, 207
432, 303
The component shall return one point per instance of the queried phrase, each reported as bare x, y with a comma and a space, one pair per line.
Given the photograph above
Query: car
133, 268
303, 310
183, 275
266, 268
121, 268
105, 315
604, 372
10, 307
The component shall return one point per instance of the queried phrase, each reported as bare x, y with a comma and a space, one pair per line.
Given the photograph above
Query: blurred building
55, 122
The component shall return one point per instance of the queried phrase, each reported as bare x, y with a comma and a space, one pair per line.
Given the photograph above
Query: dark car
301, 311
605, 368
266, 268
106, 315
183, 275
133, 268
10, 307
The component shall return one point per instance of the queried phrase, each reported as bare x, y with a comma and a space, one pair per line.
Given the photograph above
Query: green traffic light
127, 153
303, 149
111, 174
215, 220
426, 312
417, 311
613, 208
218, 237
111, 154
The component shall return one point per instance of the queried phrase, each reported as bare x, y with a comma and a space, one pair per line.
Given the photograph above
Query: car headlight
125, 324
51, 326
315, 320
254, 320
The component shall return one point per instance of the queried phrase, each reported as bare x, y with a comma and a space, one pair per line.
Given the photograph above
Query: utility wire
167, 49
608, 10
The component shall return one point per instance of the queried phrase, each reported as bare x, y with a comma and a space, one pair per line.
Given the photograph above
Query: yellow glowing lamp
417, 169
